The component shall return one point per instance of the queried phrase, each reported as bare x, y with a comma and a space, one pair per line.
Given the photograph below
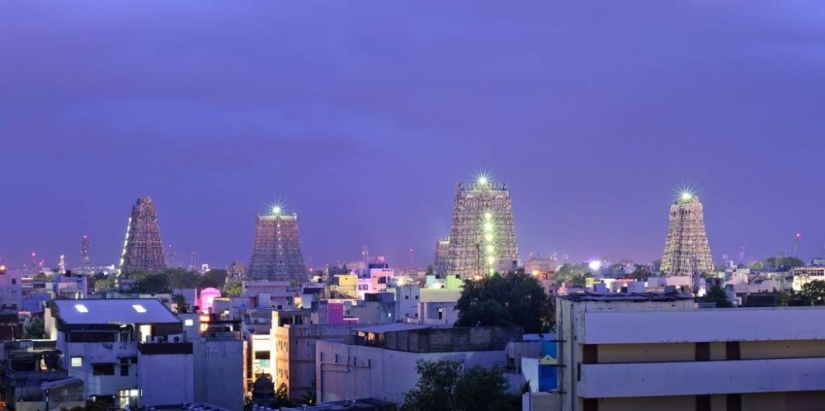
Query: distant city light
595, 265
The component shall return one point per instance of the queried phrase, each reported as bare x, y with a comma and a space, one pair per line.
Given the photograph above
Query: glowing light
276, 210
686, 195
491, 260
490, 249
536, 272
488, 216
488, 226
488, 237
81, 308
400, 282
483, 180
139, 308
595, 265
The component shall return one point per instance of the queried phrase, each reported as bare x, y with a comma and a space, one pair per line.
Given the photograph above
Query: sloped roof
114, 311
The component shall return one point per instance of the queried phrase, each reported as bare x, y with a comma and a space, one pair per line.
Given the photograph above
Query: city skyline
367, 116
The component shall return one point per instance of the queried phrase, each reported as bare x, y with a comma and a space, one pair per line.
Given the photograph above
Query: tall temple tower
276, 253
483, 236
686, 248
143, 250
442, 252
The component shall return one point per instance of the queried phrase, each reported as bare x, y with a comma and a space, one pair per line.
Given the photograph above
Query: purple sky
362, 117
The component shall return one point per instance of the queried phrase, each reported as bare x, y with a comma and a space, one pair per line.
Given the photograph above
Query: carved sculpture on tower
276, 252
483, 236
687, 251
143, 249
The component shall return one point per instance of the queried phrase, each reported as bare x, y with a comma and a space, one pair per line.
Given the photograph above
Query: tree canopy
813, 293
718, 295
575, 274
443, 386
177, 278
517, 299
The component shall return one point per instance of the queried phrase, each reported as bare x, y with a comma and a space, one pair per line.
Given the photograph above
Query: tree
442, 386
153, 284
214, 278
719, 296
35, 330
783, 263
813, 293
573, 273
515, 300
282, 396
233, 289
180, 302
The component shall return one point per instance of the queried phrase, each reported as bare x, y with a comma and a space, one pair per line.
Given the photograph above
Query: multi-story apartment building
661, 352
128, 352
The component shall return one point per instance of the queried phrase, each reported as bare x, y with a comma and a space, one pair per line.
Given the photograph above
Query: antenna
84, 251
412, 263
741, 255
797, 238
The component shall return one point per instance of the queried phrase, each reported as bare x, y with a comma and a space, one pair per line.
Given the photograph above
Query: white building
11, 287
128, 352
804, 275
379, 361
660, 352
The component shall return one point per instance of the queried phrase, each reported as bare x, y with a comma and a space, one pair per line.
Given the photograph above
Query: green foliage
282, 396
214, 278
813, 293
95, 406
442, 386
515, 300
575, 274
35, 330
717, 295
233, 289
783, 263
43, 277
180, 301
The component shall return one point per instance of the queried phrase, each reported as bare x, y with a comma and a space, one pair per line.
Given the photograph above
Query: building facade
661, 352
276, 252
686, 248
442, 253
380, 361
143, 249
483, 236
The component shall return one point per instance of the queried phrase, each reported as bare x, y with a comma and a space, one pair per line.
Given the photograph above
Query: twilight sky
362, 116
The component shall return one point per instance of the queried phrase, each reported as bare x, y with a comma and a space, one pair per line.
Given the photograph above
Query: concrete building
218, 352
11, 287
804, 275
33, 377
293, 349
379, 361
661, 352
128, 352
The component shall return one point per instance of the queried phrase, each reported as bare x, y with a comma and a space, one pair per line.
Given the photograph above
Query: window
77, 361
702, 351
124, 370
103, 369
188, 322
13, 281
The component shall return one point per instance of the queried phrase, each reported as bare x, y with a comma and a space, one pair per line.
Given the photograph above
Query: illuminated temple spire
686, 247
143, 249
482, 238
276, 252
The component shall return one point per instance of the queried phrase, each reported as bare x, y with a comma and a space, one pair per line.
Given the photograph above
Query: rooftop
627, 297
114, 310
394, 327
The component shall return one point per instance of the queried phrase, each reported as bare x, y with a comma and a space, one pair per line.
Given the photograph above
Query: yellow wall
751, 350
632, 353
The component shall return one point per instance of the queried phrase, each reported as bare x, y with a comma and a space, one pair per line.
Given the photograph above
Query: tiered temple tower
686, 249
276, 253
143, 250
483, 236
442, 253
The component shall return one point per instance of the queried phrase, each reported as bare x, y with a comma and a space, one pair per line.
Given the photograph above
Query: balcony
700, 378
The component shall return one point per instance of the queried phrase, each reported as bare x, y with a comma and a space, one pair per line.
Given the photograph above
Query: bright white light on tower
483, 180
490, 249
488, 226
488, 216
276, 210
488, 237
686, 195
491, 260
595, 265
